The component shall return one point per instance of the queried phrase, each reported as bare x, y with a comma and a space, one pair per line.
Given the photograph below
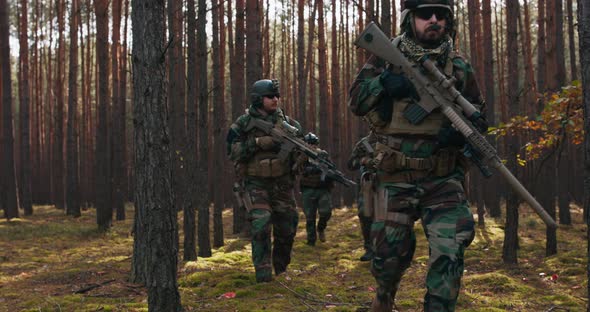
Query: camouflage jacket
241, 145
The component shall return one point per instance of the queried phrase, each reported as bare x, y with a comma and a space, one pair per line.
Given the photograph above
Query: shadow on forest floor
51, 262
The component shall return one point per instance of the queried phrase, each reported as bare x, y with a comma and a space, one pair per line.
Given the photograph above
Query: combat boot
322, 236
368, 256
382, 305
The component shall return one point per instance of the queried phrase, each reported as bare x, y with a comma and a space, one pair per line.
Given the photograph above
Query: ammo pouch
266, 165
367, 183
391, 160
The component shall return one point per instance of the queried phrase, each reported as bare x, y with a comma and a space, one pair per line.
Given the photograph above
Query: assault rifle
438, 91
289, 142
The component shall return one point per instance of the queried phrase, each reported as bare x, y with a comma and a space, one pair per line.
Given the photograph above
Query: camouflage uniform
361, 154
419, 172
316, 195
269, 198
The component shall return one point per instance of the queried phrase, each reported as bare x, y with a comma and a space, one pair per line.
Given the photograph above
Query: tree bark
219, 124
156, 235
572, 41
58, 144
104, 211
25, 116
203, 93
72, 185
253, 42
509, 251
117, 143
584, 39
190, 248
8, 189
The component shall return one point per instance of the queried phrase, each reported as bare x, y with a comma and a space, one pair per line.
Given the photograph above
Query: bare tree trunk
541, 47
238, 96
572, 41
584, 39
219, 112
253, 42
117, 147
8, 189
190, 248
58, 145
104, 210
156, 231
325, 108
25, 116
72, 185
203, 93
509, 254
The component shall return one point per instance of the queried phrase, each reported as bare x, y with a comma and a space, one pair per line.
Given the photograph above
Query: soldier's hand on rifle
266, 142
397, 86
479, 122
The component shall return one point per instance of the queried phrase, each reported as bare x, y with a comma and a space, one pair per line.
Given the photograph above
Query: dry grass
45, 259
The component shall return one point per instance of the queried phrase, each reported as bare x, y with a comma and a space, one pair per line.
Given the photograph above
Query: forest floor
51, 262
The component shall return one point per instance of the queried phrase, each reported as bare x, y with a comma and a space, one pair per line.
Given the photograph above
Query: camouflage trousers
272, 211
449, 227
316, 201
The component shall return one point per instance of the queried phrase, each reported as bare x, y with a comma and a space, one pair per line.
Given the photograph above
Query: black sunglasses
426, 13
272, 96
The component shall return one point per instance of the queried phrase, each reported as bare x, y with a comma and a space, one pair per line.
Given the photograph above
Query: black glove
479, 122
449, 136
397, 86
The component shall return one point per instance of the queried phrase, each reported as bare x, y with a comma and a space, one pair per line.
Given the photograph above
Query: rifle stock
449, 100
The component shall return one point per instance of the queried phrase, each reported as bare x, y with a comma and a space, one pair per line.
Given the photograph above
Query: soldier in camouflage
315, 191
419, 168
361, 159
268, 180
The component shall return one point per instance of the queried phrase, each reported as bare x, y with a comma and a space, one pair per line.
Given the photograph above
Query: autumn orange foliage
561, 120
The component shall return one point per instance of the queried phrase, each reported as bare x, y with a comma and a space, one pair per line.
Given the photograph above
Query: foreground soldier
267, 179
419, 168
317, 199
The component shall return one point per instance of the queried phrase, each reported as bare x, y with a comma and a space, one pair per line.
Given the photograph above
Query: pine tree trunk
584, 37
104, 211
253, 42
190, 248
72, 185
25, 116
572, 41
219, 124
238, 96
203, 92
156, 236
8, 185
117, 142
58, 144
509, 254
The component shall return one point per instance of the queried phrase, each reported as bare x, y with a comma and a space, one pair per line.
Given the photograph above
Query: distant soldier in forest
317, 199
419, 167
361, 159
268, 179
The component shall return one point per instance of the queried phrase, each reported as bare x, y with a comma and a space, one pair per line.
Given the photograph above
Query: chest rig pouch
266, 164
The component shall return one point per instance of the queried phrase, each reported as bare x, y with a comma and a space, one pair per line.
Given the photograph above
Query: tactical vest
266, 164
399, 124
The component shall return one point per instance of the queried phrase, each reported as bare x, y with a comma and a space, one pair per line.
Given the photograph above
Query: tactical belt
400, 218
402, 177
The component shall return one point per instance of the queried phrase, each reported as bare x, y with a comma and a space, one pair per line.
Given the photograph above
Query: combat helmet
261, 88
311, 138
411, 5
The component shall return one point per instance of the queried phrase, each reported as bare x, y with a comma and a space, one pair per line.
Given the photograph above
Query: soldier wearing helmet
419, 167
315, 189
267, 180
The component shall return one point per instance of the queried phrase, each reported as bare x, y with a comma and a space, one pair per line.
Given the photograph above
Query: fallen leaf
228, 295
